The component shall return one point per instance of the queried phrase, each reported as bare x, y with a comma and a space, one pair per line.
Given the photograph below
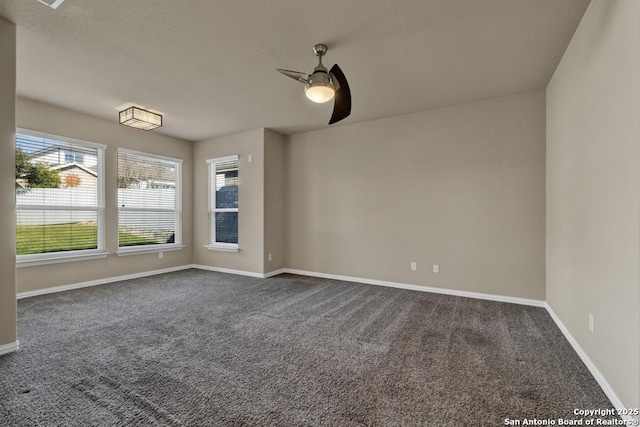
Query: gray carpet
199, 348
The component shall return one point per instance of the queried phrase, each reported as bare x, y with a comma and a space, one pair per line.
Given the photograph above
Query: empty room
302, 213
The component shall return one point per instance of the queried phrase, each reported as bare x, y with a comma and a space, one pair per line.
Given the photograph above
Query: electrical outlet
250, 158
436, 268
590, 322
414, 266
160, 255
269, 257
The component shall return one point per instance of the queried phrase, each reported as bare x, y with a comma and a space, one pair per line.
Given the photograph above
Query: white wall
462, 187
7, 186
593, 191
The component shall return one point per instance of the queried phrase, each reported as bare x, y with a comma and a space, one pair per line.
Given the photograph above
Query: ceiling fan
322, 85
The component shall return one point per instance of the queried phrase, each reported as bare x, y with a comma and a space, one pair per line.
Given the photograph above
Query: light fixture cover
139, 118
319, 93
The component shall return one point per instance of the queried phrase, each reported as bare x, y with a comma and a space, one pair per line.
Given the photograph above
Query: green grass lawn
35, 239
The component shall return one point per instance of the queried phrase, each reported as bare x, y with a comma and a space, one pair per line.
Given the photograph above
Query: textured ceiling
210, 65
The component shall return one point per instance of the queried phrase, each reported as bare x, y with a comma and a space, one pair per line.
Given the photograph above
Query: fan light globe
319, 93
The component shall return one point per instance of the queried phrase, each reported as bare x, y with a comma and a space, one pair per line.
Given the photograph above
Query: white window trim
68, 256
150, 155
54, 137
223, 247
216, 246
146, 249
58, 257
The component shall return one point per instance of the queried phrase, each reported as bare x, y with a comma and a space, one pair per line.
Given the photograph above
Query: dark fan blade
297, 75
342, 102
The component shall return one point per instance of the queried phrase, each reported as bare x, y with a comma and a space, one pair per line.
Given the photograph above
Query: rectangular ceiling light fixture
140, 119
53, 4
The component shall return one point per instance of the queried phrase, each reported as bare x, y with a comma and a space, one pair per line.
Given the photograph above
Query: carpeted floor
198, 348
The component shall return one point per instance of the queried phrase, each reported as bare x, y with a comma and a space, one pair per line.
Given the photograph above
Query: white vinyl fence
79, 198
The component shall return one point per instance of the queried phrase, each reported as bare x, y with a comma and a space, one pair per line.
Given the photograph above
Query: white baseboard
229, 271
467, 294
275, 273
9, 348
606, 387
62, 288
240, 272
476, 295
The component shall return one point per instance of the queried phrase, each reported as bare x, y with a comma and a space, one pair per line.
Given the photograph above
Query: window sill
139, 250
223, 248
43, 259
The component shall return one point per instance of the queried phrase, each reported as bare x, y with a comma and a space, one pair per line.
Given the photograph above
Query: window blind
148, 200
223, 212
58, 187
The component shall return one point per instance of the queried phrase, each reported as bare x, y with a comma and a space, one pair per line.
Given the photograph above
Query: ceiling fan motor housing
320, 77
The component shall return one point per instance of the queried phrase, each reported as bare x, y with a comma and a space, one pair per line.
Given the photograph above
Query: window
223, 206
59, 204
149, 205
72, 157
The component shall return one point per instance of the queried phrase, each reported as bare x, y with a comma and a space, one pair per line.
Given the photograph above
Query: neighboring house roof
57, 148
74, 165
44, 151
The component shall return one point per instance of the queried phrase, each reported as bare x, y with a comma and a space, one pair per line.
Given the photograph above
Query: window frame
212, 245
161, 247
27, 260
